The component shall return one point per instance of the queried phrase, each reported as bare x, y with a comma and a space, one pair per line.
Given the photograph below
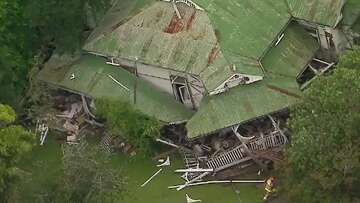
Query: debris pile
242, 146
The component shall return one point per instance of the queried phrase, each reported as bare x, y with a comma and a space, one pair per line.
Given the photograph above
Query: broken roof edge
56, 86
316, 24
243, 104
93, 65
241, 123
129, 60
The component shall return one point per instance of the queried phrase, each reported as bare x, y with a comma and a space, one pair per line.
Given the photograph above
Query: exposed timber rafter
235, 80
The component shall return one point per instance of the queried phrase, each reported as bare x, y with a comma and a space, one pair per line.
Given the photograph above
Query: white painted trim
112, 62
222, 88
187, 2
279, 39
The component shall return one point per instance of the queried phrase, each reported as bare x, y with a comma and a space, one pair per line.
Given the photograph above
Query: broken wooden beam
218, 182
194, 170
152, 177
167, 143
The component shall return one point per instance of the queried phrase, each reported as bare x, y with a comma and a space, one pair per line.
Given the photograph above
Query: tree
61, 23
123, 119
88, 177
351, 60
323, 160
35, 28
15, 141
15, 50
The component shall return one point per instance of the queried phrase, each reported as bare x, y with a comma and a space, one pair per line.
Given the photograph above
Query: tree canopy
62, 23
15, 50
35, 28
15, 141
323, 161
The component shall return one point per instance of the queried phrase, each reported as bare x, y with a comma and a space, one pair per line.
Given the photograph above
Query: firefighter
270, 188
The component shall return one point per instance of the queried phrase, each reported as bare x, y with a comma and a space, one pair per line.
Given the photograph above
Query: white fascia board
236, 80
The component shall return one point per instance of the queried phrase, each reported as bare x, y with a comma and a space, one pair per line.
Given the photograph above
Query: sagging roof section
290, 56
91, 76
229, 37
277, 91
325, 12
241, 104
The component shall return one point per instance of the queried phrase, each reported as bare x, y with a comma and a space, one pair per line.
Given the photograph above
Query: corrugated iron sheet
326, 12
278, 90
91, 78
290, 56
247, 27
242, 104
156, 36
351, 12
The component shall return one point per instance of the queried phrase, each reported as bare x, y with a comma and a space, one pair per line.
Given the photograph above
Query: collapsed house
215, 67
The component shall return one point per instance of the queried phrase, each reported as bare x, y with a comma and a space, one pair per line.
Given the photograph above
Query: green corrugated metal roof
118, 14
204, 43
156, 36
243, 103
92, 79
207, 44
278, 90
351, 12
356, 26
291, 55
326, 12
247, 27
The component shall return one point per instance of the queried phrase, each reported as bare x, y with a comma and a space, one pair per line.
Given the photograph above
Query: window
180, 89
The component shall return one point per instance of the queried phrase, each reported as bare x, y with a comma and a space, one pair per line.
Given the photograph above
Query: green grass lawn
45, 163
139, 170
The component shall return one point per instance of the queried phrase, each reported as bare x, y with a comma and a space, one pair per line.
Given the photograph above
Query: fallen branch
167, 143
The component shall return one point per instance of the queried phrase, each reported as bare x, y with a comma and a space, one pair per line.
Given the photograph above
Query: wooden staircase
228, 159
238, 154
275, 139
